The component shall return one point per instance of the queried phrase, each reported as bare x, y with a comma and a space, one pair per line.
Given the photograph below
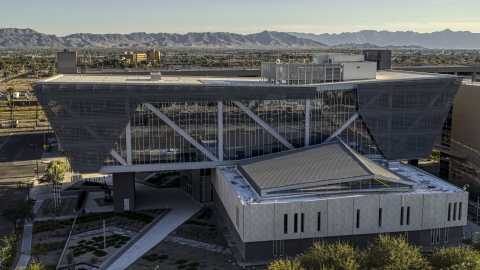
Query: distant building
133, 57
383, 58
67, 62
153, 55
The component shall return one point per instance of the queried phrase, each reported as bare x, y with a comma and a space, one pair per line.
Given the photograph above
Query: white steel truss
180, 131
264, 125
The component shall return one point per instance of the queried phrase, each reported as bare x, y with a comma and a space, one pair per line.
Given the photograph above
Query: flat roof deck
390, 75
426, 184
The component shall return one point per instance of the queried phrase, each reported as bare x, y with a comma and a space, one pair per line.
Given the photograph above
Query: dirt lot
168, 255
22, 84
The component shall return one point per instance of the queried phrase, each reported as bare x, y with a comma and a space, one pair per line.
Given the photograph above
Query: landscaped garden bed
169, 255
48, 240
134, 221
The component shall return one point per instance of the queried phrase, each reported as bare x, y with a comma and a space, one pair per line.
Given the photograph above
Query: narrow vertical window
280, 243
449, 211
379, 217
301, 222
237, 216
285, 224
319, 220
459, 211
295, 223
446, 234
401, 216
432, 236
274, 248
406, 236
438, 236
454, 211
358, 218
408, 215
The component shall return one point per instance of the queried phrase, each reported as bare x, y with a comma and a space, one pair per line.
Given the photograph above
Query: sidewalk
27, 239
183, 207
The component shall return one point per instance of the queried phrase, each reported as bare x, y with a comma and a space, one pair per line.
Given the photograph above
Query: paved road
17, 161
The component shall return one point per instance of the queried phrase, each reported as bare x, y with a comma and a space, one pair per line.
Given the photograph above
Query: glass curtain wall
328, 112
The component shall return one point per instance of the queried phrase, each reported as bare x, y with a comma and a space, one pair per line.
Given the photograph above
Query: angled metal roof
316, 164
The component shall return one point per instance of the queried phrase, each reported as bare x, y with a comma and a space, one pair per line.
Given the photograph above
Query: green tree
285, 264
18, 210
338, 256
6, 251
33, 266
56, 168
25, 186
475, 244
455, 258
393, 253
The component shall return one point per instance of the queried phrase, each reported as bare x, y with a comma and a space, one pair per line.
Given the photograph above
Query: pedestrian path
183, 208
27, 239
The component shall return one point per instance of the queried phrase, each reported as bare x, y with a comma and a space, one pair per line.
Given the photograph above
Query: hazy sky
243, 16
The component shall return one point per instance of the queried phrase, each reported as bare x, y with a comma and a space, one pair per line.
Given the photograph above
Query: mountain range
446, 39
14, 37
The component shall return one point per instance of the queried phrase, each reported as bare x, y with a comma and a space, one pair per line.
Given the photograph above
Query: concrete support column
123, 191
220, 130
474, 76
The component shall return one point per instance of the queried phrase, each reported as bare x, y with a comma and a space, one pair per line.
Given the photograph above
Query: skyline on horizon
245, 17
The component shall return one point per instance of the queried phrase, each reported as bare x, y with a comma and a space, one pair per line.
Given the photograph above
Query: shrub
94, 259
389, 252
100, 253
339, 255
285, 264
181, 261
455, 258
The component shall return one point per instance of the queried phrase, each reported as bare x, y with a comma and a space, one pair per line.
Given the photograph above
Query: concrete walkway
183, 207
27, 239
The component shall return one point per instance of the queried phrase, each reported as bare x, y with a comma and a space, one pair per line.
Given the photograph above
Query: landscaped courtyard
196, 244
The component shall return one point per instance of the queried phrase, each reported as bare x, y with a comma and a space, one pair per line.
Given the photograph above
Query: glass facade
446, 137
154, 141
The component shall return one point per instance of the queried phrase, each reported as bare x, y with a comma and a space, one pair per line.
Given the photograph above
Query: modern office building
153, 55
133, 57
272, 152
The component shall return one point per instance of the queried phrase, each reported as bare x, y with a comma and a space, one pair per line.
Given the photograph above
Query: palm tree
10, 91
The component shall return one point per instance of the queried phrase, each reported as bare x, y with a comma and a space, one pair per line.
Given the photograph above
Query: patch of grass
181, 261
50, 225
100, 253
47, 247
163, 257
